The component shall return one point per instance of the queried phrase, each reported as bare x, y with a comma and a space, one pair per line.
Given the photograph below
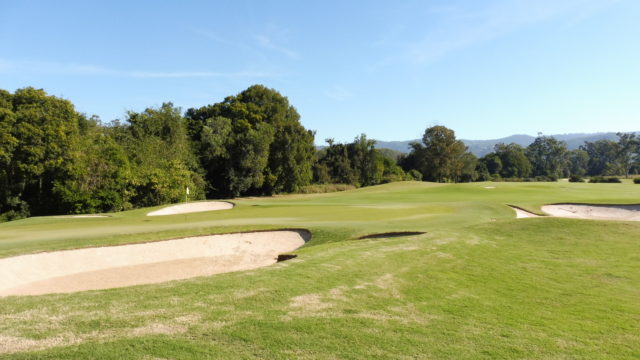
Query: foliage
357, 163
390, 154
37, 133
603, 157
576, 178
605, 179
163, 166
441, 157
578, 162
324, 188
515, 163
97, 177
636, 181
548, 156
54, 160
252, 143
414, 174
628, 151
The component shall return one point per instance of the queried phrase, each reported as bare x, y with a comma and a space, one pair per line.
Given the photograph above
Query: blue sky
486, 69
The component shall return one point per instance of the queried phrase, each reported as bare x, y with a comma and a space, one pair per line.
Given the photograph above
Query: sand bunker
135, 264
523, 214
192, 208
595, 212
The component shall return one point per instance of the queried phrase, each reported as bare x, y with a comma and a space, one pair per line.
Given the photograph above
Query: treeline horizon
55, 160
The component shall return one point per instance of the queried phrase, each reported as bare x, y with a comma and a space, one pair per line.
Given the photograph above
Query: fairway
458, 276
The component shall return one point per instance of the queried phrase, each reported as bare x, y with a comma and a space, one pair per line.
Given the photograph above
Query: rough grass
478, 284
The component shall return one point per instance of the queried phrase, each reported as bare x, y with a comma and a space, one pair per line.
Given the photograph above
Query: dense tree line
358, 163
548, 158
55, 160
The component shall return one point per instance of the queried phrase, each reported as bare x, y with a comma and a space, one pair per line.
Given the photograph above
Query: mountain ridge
483, 147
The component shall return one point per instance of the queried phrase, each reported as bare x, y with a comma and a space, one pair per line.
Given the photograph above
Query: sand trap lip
84, 216
594, 211
522, 213
193, 207
146, 263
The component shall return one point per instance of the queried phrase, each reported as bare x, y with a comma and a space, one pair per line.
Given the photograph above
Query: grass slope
478, 284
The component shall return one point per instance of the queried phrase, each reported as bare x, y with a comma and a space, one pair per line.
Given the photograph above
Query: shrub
576, 178
604, 179
544, 178
636, 181
414, 174
324, 188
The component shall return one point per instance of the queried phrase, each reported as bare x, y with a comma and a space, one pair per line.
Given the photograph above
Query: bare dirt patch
135, 264
193, 207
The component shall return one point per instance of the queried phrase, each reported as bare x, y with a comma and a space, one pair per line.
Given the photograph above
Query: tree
367, 163
603, 157
337, 162
492, 163
97, 177
233, 138
162, 162
548, 156
468, 171
514, 161
43, 131
628, 149
8, 143
442, 153
578, 162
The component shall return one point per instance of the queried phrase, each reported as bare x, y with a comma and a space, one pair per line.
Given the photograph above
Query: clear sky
486, 69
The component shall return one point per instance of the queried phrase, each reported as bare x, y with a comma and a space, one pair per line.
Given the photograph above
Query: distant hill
483, 147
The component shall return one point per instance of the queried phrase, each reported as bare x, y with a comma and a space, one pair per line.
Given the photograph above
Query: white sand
522, 214
489, 187
126, 265
192, 207
595, 212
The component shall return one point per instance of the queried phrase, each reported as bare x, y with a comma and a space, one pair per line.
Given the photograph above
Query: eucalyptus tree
603, 157
628, 151
548, 156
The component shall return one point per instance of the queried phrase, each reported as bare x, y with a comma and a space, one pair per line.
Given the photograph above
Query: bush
324, 188
414, 174
605, 179
636, 181
576, 178
529, 179
544, 178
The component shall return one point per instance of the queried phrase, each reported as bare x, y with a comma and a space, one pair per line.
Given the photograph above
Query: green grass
478, 284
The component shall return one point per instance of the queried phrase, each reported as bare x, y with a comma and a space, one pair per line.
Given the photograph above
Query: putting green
478, 283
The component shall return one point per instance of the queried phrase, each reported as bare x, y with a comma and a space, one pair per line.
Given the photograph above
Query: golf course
406, 270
